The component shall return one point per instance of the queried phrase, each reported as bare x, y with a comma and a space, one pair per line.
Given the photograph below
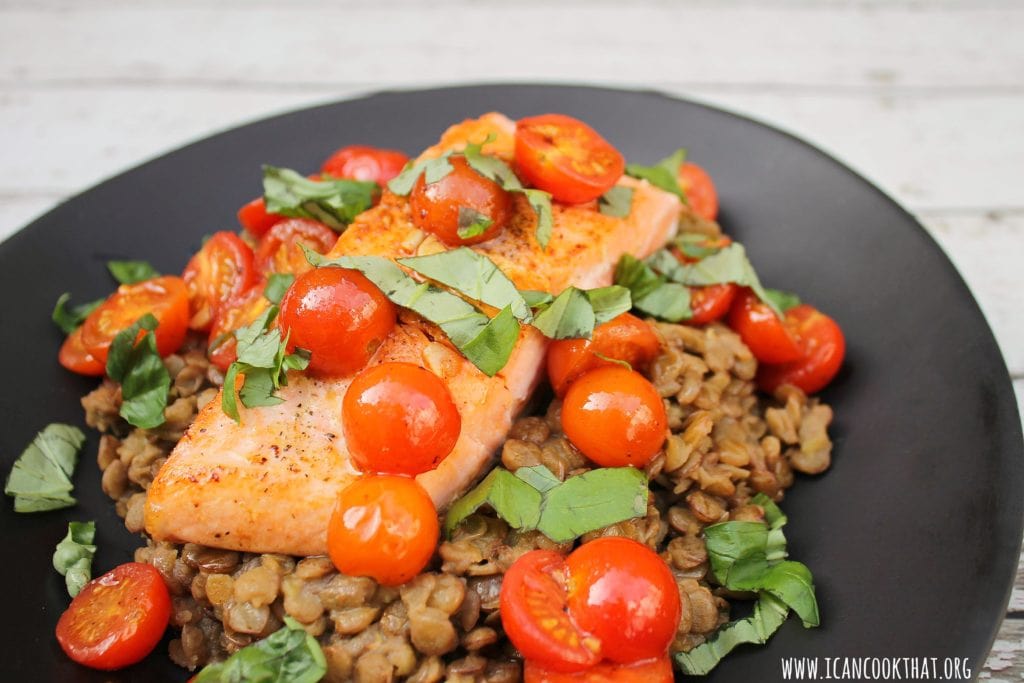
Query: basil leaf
141, 372
609, 302
616, 202
536, 298
68, 320
229, 394
277, 285
772, 513
73, 556
695, 245
435, 169
650, 292
40, 479
664, 174
513, 499
570, 316
472, 223
729, 543
289, 655
130, 272
789, 581
471, 274
780, 300
258, 389
769, 614
540, 202
539, 477
333, 202
490, 348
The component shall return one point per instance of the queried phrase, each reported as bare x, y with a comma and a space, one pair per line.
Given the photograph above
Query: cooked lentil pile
727, 444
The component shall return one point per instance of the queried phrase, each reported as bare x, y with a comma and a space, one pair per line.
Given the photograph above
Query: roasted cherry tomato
337, 315
399, 419
566, 157
765, 334
165, 297
653, 671
384, 527
117, 619
280, 250
624, 338
711, 303
822, 347
700, 191
222, 269
615, 417
359, 162
454, 202
75, 358
237, 312
255, 219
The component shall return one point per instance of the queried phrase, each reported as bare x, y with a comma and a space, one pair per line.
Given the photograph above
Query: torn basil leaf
536, 298
73, 556
140, 370
540, 202
40, 479
68, 319
780, 300
513, 499
277, 285
609, 302
333, 202
664, 174
651, 293
617, 201
697, 245
769, 614
569, 316
288, 655
130, 272
472, 223
432, 170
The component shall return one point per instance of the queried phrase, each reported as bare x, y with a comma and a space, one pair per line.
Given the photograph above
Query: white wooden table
924, 98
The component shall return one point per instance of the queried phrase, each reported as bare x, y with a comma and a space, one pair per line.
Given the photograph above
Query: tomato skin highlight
384, 527
699, 189
238, 312
255, 218
435, 206
566, 157
165, 297
623, 593
399, 418
117, 619
822, 347
220, 270
711, 303
615, 417
74, 357
653, 671
339, 316
280, 249
624, 338
761, 330
361, 162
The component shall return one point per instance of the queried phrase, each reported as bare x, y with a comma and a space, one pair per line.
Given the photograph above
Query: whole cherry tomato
699, 189
711, 303
337, 315
255, 219
117, 619
615, 417
165, 297
765, 333
74, 357
452, 206
220, 270
822, 348
384, 527
280, 250
237, 312
652, 671
566, 157
359, 162
624, 338
399, 418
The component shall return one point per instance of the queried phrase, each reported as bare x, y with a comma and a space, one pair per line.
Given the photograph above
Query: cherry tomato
359, 162
255, 218
384, 527
566, 157
337, 315
165, 297
711, 303
699, 189
615, 417
767, 335
436, 207
624, 338
222, 269
239, 311
117, 619
400, 419
822, 348
652, 671
280, 250
74, 357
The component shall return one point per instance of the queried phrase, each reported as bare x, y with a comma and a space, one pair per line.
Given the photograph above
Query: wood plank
1005, 663
875, 45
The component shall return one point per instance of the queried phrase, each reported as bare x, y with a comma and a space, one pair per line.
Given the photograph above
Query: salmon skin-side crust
270, 483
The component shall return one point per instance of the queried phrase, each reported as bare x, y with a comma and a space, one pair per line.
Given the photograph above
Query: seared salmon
270, 483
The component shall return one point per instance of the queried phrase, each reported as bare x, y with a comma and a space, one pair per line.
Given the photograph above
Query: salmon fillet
270, 483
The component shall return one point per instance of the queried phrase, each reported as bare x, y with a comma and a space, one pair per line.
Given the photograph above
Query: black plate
913, 535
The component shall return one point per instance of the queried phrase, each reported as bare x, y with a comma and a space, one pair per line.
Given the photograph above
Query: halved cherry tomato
624, 338
165, 297
399, 418
822, 348
74, 357
255, 218
699, 189
615, 417
566, 157
117, 619
280, 250
653, 671
766, 334
456, 200
384, 527
237, 312
222, 269
360, 162
337, 315
711, 303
